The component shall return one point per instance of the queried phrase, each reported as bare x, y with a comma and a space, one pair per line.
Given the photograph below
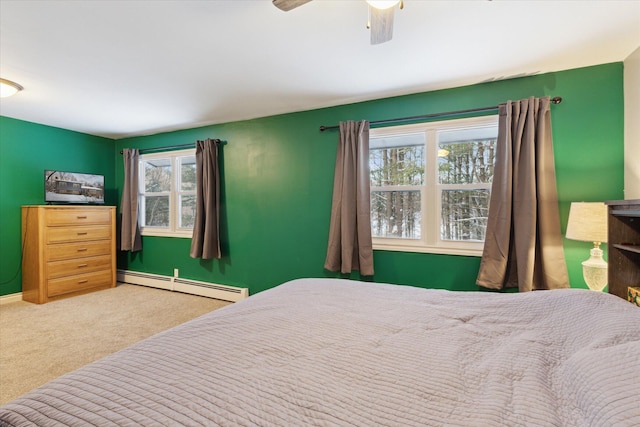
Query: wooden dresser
67, 250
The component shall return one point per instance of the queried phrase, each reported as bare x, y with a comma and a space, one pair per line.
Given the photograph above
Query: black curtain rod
171, 147
555, 100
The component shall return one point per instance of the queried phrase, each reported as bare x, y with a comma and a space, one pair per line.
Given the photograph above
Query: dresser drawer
77, 217
77, 266
78, 282
75, 234
60, 251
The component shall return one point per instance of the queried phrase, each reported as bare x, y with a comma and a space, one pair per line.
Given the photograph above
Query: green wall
278, 178
26, 150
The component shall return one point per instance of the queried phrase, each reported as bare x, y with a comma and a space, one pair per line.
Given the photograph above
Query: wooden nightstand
624, 246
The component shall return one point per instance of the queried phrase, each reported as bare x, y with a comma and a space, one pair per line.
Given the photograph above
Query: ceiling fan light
8, 88
383, 4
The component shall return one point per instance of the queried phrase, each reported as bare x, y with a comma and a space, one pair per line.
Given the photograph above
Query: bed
333, 352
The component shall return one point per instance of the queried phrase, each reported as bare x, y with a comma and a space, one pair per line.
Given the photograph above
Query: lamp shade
587, 222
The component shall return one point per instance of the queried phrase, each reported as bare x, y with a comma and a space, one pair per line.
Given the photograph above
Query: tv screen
73, 187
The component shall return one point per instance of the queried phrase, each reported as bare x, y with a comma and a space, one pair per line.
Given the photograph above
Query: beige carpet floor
41, 342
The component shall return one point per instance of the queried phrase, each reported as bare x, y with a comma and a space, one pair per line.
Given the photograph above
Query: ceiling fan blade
287, 5
381, 24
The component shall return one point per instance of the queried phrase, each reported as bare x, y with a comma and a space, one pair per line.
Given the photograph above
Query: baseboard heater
211, 290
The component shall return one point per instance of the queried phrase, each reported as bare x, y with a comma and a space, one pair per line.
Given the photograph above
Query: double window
431, 185
168, 193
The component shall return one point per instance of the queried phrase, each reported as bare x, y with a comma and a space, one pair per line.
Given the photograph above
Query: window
431, 185
168, 193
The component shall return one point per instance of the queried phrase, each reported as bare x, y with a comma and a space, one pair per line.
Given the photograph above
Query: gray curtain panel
130, 238
350, 246
523, 244
205, 242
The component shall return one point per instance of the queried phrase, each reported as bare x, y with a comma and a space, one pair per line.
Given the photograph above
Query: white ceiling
126, 68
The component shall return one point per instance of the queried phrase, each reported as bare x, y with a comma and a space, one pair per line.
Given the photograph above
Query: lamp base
594, 270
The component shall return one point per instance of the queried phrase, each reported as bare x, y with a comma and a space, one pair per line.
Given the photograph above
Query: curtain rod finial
556, 100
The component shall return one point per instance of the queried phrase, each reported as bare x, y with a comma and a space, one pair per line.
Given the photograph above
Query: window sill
395, 247
166, 233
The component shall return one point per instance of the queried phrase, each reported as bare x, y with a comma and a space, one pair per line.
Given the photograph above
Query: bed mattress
332, 352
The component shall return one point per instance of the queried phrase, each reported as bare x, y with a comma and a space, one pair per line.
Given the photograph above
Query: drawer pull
82, 249
82, 265
82, 217
83, 281
82, 233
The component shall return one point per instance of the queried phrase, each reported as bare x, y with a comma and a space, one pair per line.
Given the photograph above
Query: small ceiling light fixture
380, 20
383, 4
8, 88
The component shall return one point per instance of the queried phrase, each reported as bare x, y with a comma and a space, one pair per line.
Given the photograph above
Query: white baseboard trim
188, 286
7, 299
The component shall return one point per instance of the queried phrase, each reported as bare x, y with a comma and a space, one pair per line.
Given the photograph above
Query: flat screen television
73, 187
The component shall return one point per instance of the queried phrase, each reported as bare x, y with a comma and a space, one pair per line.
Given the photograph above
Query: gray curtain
130, 239
205, 242
350, 246
523, 244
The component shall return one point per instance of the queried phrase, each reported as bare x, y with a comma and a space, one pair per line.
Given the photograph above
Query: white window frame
173, 230
430, 198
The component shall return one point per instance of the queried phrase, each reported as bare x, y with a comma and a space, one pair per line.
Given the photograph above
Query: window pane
466, 156
187, 211
157, 175
464, 214
397, 160
396, 214
188, 173
156, 211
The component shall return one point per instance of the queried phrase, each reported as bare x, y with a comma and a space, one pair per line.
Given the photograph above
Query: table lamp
588, 222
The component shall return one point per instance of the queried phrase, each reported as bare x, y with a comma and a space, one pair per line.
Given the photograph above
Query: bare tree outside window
431, 185
157, 179
168, 193
464, 214
464, 211
187, 202
397, 170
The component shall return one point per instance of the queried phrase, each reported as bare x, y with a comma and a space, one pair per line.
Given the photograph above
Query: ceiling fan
380, 16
